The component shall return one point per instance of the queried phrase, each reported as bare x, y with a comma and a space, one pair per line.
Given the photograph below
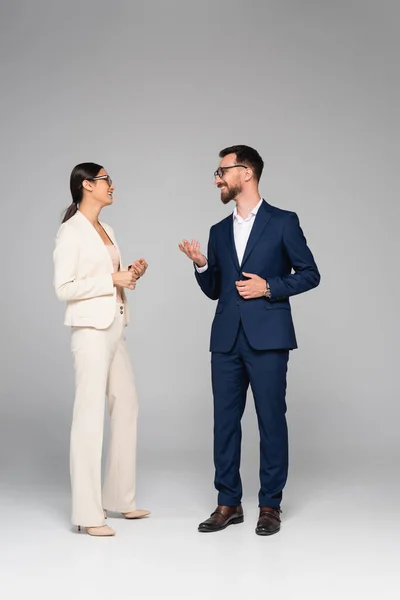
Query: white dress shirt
241, 233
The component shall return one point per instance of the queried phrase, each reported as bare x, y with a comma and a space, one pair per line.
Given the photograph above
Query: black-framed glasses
106, 177
220, 171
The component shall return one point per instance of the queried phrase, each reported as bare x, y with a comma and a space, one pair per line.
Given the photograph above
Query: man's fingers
191, 249
184, 247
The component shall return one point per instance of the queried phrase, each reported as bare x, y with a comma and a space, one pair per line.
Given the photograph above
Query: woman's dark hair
246, 155
79, 174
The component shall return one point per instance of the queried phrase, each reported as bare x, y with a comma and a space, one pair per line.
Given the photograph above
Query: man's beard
229, 193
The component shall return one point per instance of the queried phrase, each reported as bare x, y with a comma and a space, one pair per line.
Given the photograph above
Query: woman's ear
87, 185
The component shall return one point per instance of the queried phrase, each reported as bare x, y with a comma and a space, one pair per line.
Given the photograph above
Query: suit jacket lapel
262, 217
108, 232
91, 234
112, 238
231, 242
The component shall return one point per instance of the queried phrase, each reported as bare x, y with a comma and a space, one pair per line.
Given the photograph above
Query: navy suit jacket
275, 248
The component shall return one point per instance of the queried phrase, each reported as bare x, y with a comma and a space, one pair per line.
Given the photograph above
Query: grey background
153, 91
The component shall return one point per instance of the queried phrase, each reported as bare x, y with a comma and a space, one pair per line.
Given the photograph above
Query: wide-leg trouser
102, 369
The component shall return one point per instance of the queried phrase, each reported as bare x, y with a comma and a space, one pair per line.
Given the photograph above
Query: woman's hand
138, 267
125, 279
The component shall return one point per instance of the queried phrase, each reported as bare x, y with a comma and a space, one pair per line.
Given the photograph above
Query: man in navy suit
257, 258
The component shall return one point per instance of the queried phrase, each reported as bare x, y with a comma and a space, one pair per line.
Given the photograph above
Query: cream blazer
83, 274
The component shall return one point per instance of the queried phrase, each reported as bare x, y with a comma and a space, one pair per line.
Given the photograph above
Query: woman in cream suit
89, 277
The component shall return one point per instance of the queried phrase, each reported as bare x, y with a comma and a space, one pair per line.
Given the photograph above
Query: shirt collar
252, 213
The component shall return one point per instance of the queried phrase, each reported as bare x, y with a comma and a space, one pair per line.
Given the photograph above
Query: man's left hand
254, 287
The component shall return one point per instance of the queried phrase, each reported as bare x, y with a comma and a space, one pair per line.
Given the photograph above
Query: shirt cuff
201, 269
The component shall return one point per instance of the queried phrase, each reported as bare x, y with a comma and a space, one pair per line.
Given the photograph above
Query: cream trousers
102, 369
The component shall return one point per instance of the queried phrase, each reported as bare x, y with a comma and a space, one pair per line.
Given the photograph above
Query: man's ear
248, 174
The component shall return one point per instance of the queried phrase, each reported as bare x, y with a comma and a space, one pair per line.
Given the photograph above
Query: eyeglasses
220, 171
106, 177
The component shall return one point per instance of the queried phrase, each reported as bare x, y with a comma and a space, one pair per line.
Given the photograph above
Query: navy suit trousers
232, 372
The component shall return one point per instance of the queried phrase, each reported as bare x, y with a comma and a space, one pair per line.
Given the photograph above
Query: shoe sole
263, 533
232, 522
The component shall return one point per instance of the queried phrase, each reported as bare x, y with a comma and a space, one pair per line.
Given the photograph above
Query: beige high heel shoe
133, 514
136, 514
101, 531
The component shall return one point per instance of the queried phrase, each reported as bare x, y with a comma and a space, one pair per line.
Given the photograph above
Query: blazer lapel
262, 217
109, 232
91, 234
231, 242
112, 238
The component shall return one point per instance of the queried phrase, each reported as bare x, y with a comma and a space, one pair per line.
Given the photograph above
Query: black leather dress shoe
221, 518
269, 521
